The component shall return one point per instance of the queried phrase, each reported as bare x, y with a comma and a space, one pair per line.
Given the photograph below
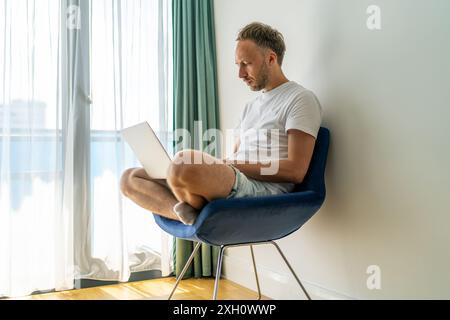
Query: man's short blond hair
265, 37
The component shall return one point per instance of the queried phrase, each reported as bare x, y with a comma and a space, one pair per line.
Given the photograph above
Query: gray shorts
245, 187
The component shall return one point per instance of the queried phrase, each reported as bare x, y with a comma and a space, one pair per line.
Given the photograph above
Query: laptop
148, 149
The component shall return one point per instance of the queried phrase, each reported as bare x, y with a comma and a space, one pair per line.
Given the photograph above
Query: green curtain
195, 99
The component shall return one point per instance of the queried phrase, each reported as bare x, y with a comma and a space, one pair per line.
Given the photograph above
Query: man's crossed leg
188, 188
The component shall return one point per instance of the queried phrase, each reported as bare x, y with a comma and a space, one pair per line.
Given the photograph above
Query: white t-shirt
265, 121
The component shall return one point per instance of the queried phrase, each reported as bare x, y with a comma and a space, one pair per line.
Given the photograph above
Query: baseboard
274, 284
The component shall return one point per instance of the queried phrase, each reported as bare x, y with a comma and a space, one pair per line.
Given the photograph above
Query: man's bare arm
293, 170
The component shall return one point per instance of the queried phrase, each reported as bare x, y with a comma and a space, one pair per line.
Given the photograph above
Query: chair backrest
315, 177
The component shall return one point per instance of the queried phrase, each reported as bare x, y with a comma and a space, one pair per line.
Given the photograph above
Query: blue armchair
255, 221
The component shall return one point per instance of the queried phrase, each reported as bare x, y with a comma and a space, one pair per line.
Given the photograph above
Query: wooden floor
160, 289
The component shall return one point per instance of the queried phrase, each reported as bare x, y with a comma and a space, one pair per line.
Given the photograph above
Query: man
284, 107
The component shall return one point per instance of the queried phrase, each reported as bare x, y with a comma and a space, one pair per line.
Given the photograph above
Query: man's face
253, 67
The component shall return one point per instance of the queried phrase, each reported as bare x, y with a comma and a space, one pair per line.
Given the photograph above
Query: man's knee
125, 181
180, 175
182, 171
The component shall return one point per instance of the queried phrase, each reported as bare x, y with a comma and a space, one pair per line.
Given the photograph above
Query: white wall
386, 99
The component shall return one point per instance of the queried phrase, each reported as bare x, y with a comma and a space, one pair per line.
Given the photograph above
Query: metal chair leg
290, 268
219, 268
186, 267
219, 271
256, 272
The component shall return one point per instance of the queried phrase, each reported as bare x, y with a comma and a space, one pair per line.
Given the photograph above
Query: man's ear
273, 58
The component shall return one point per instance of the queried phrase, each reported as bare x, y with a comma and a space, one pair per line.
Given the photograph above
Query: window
65, 95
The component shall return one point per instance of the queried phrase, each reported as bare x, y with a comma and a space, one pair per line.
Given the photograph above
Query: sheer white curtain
65, 94
36, 230
130, 70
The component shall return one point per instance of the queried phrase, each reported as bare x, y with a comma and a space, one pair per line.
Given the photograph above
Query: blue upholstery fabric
259, 219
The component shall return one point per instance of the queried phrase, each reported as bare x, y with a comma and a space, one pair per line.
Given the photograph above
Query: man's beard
262, 79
